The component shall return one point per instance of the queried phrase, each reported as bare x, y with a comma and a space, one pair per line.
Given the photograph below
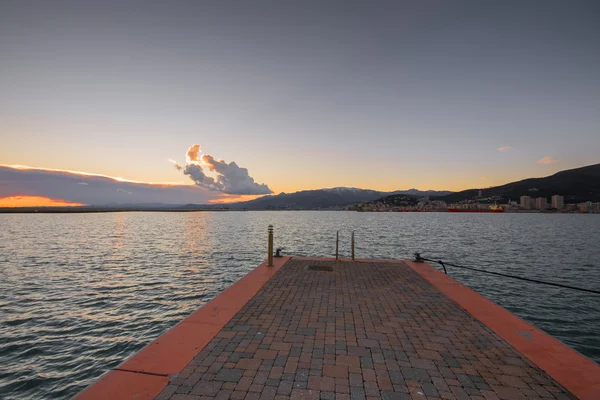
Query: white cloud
230, 178
504, 148
176, 165
124, 191
547, 160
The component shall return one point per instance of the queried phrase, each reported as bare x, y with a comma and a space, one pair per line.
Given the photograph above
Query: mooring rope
443, 264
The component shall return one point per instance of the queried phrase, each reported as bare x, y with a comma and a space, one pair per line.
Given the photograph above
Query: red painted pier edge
146, 373
575, 372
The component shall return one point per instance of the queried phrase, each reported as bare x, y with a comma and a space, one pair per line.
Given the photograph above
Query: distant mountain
133, 206
576, 185
421, 193
323, 198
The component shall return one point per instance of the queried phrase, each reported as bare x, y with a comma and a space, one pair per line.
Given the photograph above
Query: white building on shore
558, 202
527, 202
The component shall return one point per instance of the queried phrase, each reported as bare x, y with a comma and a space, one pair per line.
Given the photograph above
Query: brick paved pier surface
323, 329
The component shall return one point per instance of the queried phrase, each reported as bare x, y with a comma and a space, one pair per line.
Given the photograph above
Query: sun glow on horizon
234, 198
35, 201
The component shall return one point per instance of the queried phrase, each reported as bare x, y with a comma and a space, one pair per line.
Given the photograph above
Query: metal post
270, 264
337, 243
352, 245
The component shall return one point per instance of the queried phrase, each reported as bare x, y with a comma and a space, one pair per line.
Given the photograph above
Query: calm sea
81, 292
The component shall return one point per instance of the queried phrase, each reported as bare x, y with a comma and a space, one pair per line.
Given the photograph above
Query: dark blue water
79, 293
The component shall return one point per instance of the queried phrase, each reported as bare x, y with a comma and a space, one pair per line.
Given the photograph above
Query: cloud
233, 179
547, 160
504, 148
230, 178
98, 190
193, 153
124, 191
484, 178
196, 173
176, 165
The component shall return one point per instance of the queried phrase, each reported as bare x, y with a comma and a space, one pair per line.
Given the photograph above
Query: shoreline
90, 210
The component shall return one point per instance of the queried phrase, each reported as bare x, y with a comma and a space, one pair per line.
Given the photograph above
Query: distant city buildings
589, 207
476, 204
558, 202
527, 202
541, 203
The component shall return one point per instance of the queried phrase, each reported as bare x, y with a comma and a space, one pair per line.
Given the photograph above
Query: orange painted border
125, 385
577, 373
146, 373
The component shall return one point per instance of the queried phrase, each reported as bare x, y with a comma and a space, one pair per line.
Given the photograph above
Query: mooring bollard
270, 263
352, 245
337, 243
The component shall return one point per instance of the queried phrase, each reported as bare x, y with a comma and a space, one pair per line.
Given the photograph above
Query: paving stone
416, 374
396, 377
366, 362
429, 389
355, 380
300, 384
357, 393
204, 388
335, 371
248, 363
167, 392
280, 361
300, 394
229, 375
389, 395
301, 375
185, 397
306, 331
285, 388
350, 361
223, 394
359, 351
268, 393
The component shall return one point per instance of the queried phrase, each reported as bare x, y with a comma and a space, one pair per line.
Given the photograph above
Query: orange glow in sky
35, 201
234, 198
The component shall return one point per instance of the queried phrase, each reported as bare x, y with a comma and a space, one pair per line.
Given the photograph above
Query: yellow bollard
270, 264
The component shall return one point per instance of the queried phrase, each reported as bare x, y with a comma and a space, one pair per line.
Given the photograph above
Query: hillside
576, 185
322, 198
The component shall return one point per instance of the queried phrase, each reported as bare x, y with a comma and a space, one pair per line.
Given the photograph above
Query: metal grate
326, 268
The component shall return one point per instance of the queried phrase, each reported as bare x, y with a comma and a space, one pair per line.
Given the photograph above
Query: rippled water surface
81, 292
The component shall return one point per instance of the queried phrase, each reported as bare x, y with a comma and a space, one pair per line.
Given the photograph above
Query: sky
383, 95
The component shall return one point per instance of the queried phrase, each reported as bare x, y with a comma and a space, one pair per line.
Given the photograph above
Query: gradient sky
373, 94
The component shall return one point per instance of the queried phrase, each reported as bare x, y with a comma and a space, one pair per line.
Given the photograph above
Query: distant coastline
96, 210
88, 210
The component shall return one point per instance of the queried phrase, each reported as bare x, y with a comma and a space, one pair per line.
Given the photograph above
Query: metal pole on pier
270, 250
352, 245
337, 243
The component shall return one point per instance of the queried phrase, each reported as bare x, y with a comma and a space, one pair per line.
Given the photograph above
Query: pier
315, 328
